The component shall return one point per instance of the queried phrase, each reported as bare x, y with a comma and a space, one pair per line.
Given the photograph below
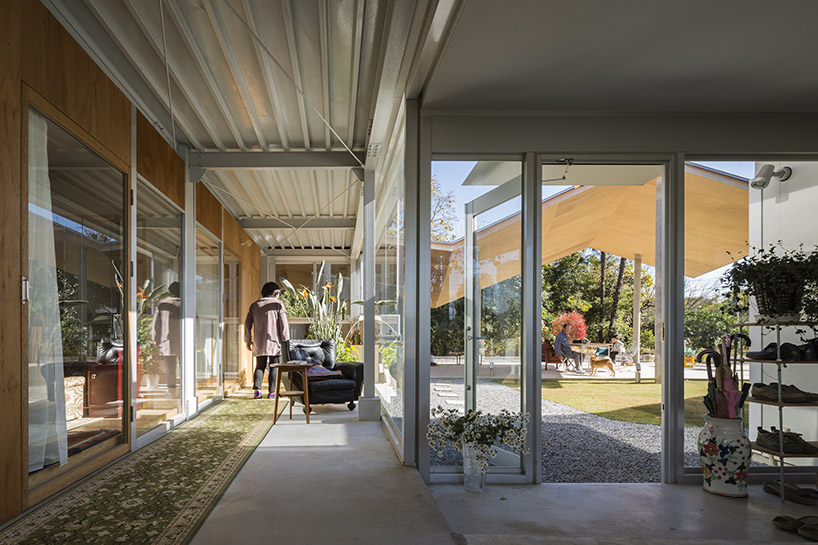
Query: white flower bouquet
483, 432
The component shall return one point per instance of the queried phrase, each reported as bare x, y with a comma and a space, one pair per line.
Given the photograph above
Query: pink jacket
269, 318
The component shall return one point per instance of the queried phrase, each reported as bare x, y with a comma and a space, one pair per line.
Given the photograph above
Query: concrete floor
338, 481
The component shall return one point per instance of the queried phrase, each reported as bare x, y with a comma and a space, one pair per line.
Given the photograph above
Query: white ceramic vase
724, 451
474, 478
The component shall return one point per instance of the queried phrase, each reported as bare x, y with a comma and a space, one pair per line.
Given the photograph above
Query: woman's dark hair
270, 288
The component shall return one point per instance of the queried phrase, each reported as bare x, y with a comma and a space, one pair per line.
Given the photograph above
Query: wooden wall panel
158, 162
11, 446
56, 67
232, 234
208, 210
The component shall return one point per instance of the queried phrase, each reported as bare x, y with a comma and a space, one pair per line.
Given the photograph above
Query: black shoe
789, 352
769, 353
809, 350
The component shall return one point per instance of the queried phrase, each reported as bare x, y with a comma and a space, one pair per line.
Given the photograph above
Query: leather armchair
333, 389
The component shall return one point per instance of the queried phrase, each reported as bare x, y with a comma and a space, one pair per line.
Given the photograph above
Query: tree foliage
444, 214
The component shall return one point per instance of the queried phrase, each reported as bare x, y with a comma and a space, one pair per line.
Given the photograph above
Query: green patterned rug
160, 494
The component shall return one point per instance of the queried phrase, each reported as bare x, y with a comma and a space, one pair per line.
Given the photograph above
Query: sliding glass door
76, 279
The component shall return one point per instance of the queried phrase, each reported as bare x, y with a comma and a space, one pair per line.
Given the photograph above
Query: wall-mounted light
766, 173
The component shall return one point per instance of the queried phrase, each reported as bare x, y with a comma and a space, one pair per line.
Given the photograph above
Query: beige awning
620, 220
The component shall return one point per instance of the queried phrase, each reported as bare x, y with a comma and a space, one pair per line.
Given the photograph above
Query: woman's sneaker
271, 395
256, 394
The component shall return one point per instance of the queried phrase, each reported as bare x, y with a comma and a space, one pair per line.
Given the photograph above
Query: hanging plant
778, 278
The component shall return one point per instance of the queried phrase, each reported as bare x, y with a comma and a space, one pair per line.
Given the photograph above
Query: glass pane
77, 370
758, 213
488, 288
599, 250
389, 289
208, 297
233, 324
159, 307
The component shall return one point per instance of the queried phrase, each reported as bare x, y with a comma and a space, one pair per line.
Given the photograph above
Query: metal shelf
780, 404
782, 362
774, 324
765, 450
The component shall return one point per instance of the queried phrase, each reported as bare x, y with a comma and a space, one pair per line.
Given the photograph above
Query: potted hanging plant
778, 278
477, 435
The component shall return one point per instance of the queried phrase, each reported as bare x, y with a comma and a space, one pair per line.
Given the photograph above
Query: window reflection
208, 294
77, 369
159, 306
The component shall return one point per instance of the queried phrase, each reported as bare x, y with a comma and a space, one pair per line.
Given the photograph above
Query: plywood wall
11, 211
57, 68
158, 162
208, 210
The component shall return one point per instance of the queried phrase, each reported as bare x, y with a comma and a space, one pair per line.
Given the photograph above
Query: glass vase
474, 478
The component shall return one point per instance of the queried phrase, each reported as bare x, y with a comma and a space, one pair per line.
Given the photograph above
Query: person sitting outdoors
617, 347
562, 345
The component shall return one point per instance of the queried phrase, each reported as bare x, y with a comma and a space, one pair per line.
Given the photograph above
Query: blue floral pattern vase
725, 452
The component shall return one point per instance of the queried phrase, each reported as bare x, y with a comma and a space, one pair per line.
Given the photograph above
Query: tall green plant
325, 309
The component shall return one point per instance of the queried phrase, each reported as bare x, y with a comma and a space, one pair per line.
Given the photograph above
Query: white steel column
672, 318
129, 270
369, 407
424, 295
188, 360
410, 293
637, 307
531, 373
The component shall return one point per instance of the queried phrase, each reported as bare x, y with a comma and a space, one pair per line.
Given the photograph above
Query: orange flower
304, 293
328, 286
332, 298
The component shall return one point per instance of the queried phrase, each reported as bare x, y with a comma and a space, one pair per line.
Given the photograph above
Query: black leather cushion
315, 351
331, 384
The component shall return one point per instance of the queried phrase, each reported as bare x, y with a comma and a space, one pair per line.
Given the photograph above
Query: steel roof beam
298, 223
273, 159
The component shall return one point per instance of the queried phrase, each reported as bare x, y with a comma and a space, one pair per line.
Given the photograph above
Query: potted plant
778, 278
477, 435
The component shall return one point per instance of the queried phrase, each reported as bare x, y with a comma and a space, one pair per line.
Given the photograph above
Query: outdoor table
591, 348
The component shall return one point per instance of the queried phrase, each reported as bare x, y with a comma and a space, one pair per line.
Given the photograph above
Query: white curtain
47, 436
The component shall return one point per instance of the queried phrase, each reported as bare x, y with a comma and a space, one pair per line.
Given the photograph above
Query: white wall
789, 213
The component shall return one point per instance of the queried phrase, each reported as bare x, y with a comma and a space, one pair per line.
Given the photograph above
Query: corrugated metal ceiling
231, 91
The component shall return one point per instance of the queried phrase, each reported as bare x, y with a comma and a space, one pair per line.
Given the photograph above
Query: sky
451, 175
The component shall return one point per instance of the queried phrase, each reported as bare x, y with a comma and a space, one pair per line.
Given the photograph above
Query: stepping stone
456, 402
447, 394
442, 389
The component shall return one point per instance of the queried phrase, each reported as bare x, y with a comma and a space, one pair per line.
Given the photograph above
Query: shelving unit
780, 364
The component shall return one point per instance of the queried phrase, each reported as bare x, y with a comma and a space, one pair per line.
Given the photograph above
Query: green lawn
623, 400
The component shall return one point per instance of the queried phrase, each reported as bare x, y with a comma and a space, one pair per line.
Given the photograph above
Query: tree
617, 291
575, 319
444, 213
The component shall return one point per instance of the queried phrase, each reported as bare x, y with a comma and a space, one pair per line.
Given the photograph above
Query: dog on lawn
602, 363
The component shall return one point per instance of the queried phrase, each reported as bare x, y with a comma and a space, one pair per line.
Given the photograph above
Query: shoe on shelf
256, 394
789, 352
797, 439
771, 441
769, 353
769, 392
809, 350
271, 395
793, 391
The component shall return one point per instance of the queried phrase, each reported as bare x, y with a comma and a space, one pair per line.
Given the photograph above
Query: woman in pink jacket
265, 329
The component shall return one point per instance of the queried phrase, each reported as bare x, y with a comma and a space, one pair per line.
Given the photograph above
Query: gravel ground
577, 447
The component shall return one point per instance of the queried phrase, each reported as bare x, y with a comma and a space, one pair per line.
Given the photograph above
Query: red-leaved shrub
577, 321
